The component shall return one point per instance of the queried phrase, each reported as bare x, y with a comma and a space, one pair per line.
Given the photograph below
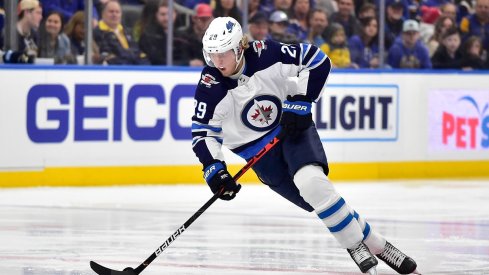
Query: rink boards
127, 125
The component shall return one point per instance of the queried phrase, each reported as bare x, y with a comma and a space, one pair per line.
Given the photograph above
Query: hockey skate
397, 260
364, 259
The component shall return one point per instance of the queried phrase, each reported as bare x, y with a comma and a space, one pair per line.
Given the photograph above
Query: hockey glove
296, 115
217, 177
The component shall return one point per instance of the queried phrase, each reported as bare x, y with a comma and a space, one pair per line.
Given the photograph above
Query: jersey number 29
289, 49
201, 108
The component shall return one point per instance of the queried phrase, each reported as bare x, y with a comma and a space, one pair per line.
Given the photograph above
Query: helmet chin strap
238, 60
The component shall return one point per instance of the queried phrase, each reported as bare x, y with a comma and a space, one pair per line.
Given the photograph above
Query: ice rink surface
443, 225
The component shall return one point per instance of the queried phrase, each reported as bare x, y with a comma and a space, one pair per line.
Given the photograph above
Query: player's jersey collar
240, 72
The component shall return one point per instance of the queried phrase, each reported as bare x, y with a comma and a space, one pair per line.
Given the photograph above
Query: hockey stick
102, 270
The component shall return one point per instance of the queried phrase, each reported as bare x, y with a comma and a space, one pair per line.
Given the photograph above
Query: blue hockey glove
217, 176
296, 115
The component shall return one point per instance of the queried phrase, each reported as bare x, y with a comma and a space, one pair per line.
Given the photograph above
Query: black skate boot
397, 260
363, 258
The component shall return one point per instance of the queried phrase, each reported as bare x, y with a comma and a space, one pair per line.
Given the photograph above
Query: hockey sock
331, 208
371, 238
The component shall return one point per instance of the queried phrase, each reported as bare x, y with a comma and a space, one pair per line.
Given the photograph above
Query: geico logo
72, 110
354, 112
463, 131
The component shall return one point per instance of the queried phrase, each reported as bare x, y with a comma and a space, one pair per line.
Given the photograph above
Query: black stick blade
102, 270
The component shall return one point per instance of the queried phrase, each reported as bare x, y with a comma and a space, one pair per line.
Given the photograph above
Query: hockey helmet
222, 35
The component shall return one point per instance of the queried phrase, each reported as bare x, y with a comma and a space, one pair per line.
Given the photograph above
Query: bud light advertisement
355, 112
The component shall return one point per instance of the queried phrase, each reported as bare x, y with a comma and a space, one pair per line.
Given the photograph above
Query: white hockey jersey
244, 113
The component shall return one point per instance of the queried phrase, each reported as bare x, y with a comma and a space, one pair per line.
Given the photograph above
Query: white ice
443, 225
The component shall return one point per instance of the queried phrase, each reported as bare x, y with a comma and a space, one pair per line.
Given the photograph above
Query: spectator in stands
346, 17
441, 25
279, 22
330, 6
450, 10
114, 41
337, 47
194, 33
478, 23
258, 27
448, 56
75, 30
299, 24
472, 54
409, 7
228, 8
29, 18
364, 48
99, 4
367, 10
394, 19
53, 43
408, 52
429, 15
318, 23
154, 39
283, 5
253, 7
149, 10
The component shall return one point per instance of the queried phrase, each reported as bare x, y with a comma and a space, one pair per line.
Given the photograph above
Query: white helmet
222, 35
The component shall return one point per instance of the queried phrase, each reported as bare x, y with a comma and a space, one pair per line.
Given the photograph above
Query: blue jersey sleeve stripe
207, 127
311, 51
304, 51
318, 59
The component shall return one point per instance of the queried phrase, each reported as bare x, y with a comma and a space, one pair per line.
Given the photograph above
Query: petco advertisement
459, 120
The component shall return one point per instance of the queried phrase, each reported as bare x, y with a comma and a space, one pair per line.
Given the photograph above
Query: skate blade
416, 272
372, 271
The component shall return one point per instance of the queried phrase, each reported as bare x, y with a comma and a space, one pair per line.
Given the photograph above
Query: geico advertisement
459, 119
106, 113
358, 113
96, 117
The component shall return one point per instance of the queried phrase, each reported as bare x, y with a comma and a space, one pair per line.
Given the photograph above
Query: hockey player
247, 94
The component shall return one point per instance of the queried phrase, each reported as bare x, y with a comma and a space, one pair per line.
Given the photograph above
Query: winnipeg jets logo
262, 113
258, 46
208, 80
229, 26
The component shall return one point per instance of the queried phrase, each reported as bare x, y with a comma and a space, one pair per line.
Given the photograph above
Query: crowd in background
441, 34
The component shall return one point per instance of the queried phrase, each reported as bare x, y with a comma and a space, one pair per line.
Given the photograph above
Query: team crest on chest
262, 113
258, 46
208, 80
